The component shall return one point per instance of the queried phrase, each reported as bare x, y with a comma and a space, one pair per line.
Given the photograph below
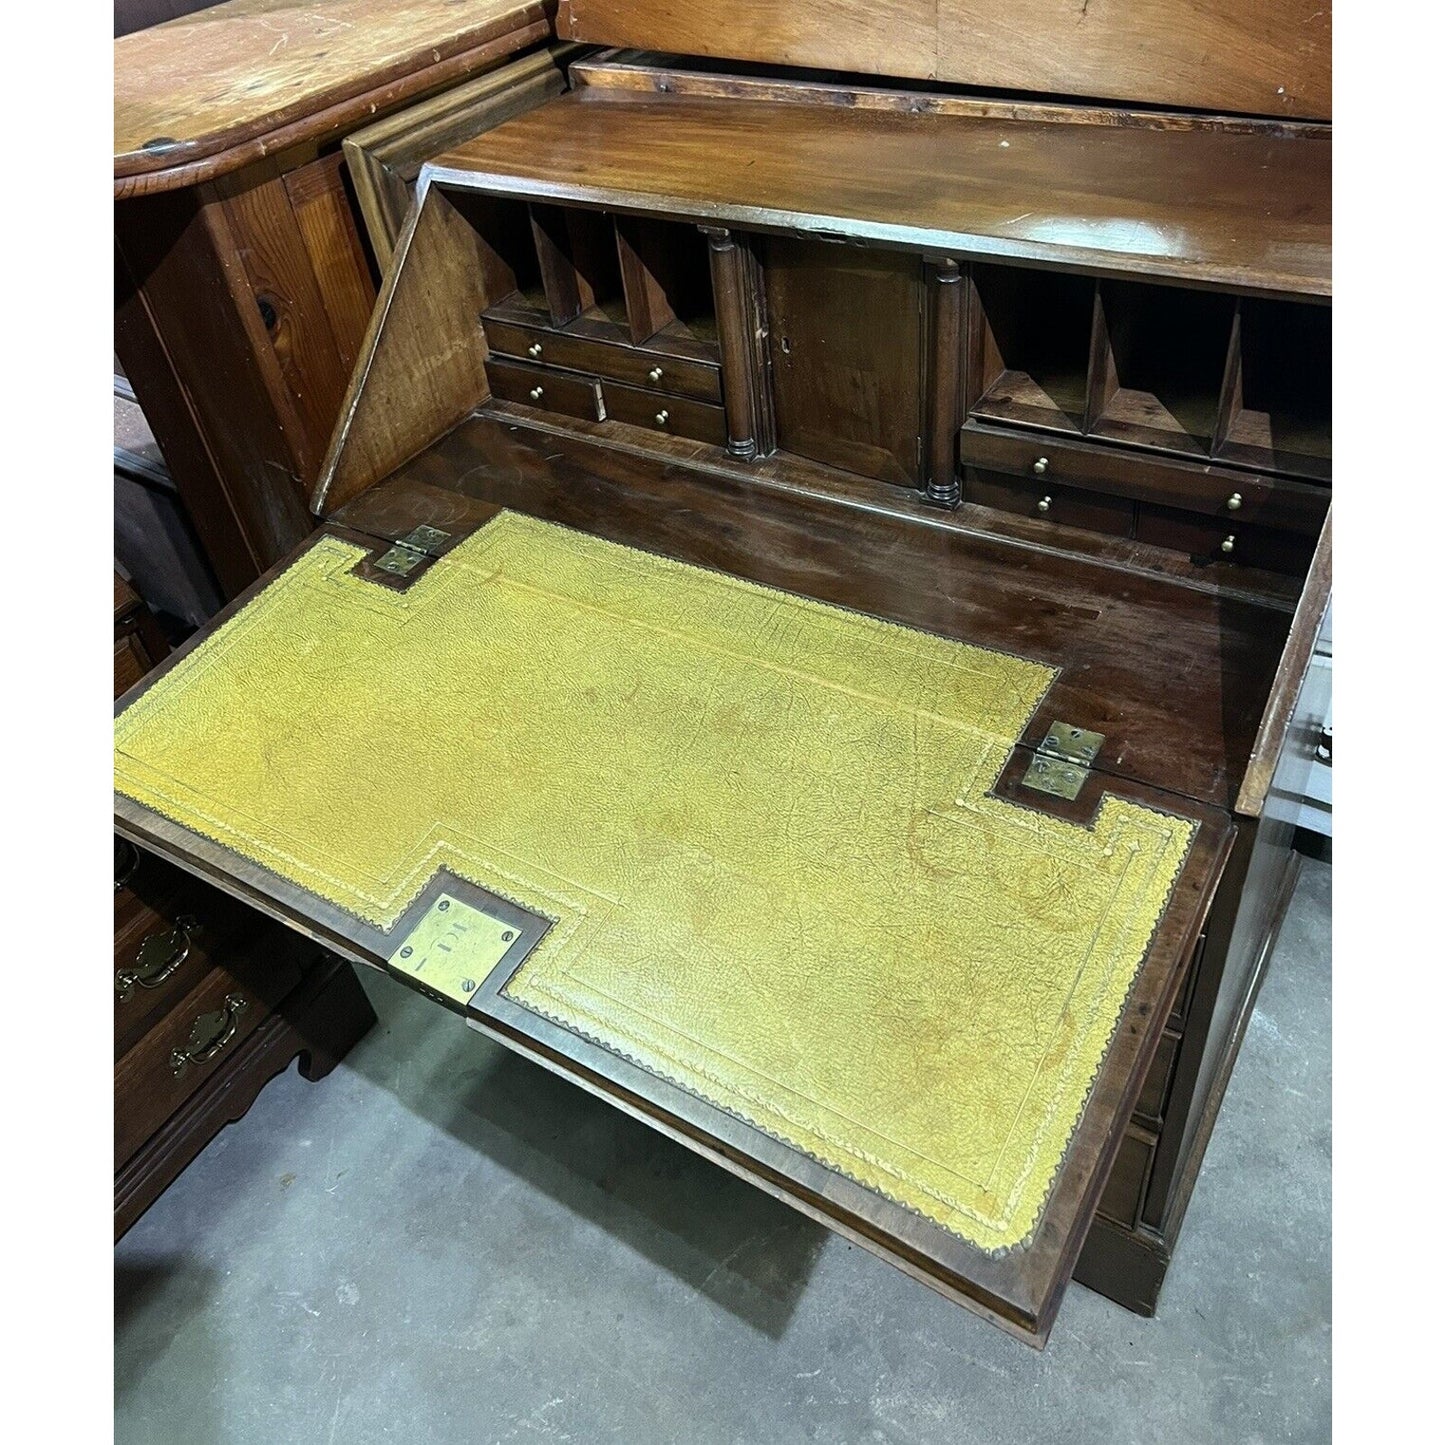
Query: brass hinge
407, 553
1062, 761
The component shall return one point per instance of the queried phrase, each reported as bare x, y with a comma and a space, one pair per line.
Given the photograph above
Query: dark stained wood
1077, 196
845, 344
424, 354
1060, 505
737, 285
208, 93
944, 384
1231, 55
645, 262
568, 290
385, 157
318, 1023
536, 386
1200, 487
670, 415
660, 73
1294, 661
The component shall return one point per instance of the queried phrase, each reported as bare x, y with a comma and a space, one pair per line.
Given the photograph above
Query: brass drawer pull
127, 860
209, 1034
1045, 503
661, 417
1235, 502
535, 349
1041, 467
655, 375
1227, 546
159, 956
535, 393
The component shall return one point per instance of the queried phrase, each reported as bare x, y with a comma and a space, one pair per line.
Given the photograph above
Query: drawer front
659, 412
131, 662
1124, 1193
1234, 497
1225, 541
155, 1077
1155, 1093
538, 386
633, 365
174, 948
1063, 506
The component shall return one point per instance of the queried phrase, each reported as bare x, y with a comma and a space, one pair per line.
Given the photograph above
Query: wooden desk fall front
1042, 389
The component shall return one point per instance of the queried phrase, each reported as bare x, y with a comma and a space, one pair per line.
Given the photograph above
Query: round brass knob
1235, 502
655, 375
535, 349
661, 417
1041, 467
1227, 546
1045, 503
535, 393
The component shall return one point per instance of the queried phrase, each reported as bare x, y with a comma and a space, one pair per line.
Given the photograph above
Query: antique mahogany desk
899, 815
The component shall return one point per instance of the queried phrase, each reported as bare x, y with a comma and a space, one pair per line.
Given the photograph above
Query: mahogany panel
1221, 207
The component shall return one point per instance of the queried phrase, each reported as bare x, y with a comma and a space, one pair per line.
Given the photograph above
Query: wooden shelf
1207, 206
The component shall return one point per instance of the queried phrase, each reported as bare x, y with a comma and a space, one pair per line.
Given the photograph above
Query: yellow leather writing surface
761, 825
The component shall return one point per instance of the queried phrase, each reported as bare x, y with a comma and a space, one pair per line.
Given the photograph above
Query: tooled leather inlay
761, 824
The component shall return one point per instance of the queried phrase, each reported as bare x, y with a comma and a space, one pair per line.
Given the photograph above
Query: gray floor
444, 1243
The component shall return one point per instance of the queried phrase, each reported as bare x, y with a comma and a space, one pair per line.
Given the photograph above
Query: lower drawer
1225, 540
1124, 1193
657, 411
559, 391
1063, 506
1155, 1093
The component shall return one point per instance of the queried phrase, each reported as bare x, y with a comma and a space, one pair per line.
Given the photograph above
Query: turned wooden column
737, 285
942, 384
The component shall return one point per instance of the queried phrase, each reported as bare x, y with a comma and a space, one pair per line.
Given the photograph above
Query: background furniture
211, 999
243, 285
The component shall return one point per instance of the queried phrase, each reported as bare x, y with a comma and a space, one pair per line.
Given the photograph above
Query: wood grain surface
1250, 211
238, 80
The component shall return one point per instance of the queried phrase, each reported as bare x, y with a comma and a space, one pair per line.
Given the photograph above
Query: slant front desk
806, 640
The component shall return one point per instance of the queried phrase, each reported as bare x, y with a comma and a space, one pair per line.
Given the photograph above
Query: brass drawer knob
1041, 467
661, 417
655, 375
158, 957
1045, 503
535, 393
1227, 546
1235, 502
210, 1033
535, 349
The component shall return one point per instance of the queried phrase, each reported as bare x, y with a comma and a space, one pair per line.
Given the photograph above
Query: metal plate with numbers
455, 945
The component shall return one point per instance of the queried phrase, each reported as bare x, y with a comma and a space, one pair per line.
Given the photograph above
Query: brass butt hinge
1062, 761
409, 552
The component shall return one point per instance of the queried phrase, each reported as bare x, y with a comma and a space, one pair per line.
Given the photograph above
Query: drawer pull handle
535, 349
1227, 546
1045, 503
1041, 467
661, 417
158, 957
209, 1034
535, 393
655, 375
127, 860
1235, 502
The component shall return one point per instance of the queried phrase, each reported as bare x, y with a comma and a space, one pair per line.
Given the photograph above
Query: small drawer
1063, 506
1208, 540
131, 662
1155, 1093
559, 391
636, 366
155, 1077
1124, 1193
1180, 1012
1212, 491
659, 412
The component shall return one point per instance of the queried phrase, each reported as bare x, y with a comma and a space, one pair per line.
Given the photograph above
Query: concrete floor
443, 1242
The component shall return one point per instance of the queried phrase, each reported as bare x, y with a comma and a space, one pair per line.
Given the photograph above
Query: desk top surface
208, 92
1212, 206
